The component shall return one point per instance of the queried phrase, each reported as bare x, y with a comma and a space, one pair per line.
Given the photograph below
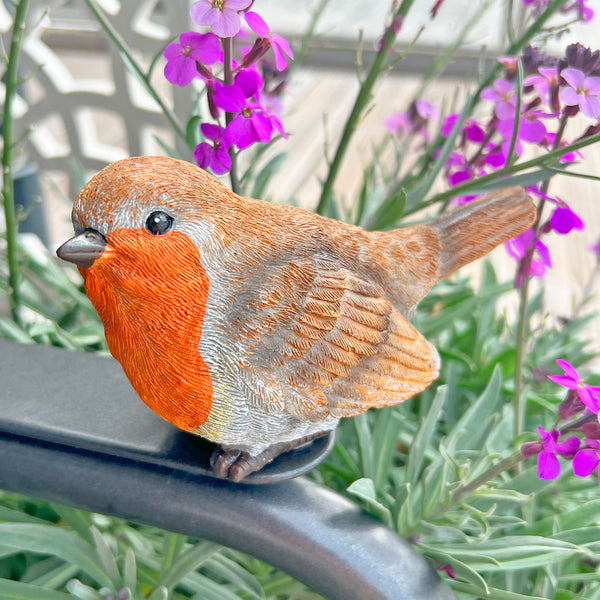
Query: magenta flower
544, 83
279, 45
181, 57
504, 96
547, 449
426, 110
519, 247
250, 125
582, 91
596, 249
398, 123
448, 124
586, 14
564, 219
589, 394
216, 155
222, 16
587, 459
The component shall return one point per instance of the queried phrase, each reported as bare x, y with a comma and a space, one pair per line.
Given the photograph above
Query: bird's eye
159, 222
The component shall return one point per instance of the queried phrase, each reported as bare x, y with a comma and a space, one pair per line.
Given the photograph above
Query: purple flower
279, 44
222, 16
398, 123
519, 247
473, 131
544, 83
548, 465
214, 156
586, 14
587, 459
596, 249
181, 57
251, 124
589, 394
564, 219
448, 124
581, 91
426, 110
504, 96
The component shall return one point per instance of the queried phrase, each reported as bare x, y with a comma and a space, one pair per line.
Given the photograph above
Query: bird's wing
343, 349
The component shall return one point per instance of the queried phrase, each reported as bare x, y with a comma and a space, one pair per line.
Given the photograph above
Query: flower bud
258, 50
591, 430
570, 406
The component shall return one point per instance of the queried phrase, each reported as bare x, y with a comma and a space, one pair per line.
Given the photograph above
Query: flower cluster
553, 92
581, 398
245, 112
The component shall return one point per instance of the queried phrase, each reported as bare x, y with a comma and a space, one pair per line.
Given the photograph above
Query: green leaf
107, 560
82, 591
263, 177
493, 594
209, 590
77, 519
513, 552
16, 590
46, 539
17, 516
160, 593
365, 444
587, 513
365, 490
57, 577
173, 544
423, 437
129, 569
385, 433
9, 330
187, 562
220, 568
389, 213
461, 569
192, 131
467, 433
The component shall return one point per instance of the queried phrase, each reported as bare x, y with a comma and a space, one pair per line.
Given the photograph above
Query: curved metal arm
73, 431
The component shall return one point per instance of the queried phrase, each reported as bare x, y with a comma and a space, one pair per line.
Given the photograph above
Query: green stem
362, 100
134, 66
522, 329
228, 79
540, 161
8, 192
466, 490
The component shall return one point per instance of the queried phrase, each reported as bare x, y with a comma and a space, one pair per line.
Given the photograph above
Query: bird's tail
474, 229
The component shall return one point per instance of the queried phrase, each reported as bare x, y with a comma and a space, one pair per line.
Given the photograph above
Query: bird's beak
83, 249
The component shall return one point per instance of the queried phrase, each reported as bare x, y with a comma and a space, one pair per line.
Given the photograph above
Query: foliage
450, 469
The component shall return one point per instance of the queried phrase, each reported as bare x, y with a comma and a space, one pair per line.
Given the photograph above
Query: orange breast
150, 292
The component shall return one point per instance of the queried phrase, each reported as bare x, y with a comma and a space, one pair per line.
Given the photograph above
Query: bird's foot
235, 464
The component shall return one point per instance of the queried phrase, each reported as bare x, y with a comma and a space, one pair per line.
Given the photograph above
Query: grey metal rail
73, 431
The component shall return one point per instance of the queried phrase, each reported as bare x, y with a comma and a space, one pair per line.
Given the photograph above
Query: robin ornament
258, 326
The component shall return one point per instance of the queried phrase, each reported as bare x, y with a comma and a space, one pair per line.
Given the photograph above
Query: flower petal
257, 24
568, 369
199, 12
230, 98
585, 462
564, 381
590, 106
548, 466
574, 77
568, 446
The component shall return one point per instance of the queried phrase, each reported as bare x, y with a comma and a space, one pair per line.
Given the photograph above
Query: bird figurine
257, 325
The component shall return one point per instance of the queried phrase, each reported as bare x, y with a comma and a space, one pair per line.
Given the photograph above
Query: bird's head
143, 205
